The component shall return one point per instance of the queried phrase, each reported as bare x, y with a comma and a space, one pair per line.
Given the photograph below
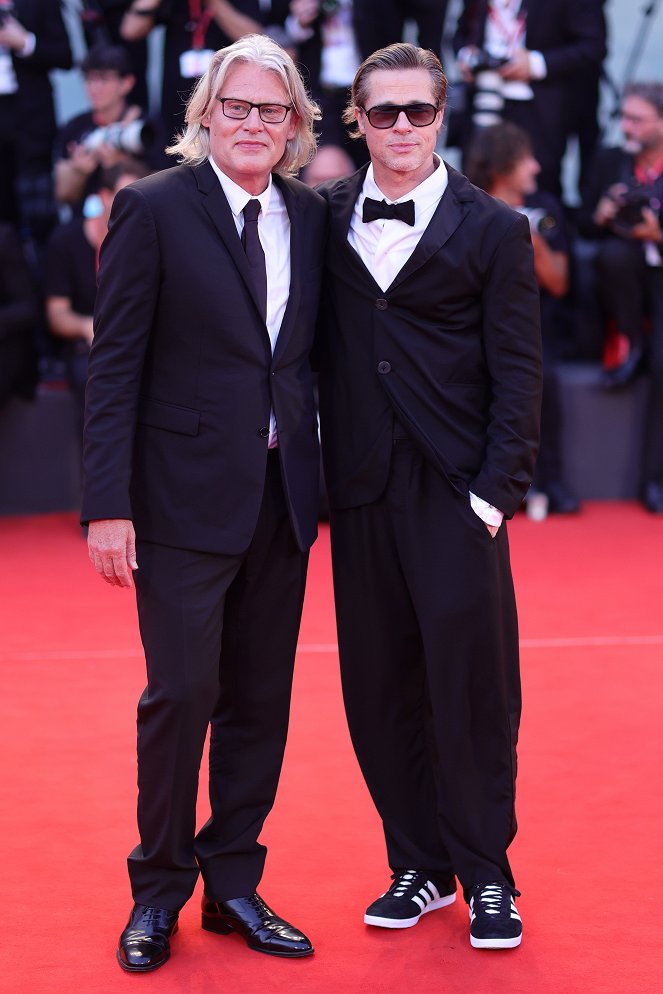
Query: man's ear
128, 83
359, 117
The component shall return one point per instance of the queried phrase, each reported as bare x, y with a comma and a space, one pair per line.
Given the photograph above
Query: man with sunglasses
430, 397
202, 481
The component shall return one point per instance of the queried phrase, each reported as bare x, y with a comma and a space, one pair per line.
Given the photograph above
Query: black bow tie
374, 209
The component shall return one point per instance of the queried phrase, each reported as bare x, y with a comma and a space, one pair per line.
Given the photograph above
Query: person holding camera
622, 210
101, 137
522, 62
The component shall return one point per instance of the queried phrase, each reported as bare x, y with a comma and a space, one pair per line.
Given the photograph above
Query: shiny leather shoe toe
145, 943
262, 929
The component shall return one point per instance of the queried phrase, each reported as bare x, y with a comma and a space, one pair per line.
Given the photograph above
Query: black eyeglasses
239, 110
386, 115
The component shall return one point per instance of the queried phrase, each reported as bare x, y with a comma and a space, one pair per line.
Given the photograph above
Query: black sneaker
410, 896
494, 920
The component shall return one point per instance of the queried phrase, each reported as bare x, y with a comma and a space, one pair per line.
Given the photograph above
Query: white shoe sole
442, 902
495, 943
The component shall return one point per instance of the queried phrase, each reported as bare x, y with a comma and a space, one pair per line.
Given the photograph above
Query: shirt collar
424, 195
237, 196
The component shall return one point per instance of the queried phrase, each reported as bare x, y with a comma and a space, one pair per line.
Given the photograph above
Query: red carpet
587, 859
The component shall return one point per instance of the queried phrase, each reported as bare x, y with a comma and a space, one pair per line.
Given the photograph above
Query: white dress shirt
385, 245
274, 234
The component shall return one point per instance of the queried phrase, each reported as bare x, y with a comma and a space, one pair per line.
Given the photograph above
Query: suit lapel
341, 202
452, 209
218, 208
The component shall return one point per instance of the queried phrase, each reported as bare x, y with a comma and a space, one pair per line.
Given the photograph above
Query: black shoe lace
263, 910
404, 881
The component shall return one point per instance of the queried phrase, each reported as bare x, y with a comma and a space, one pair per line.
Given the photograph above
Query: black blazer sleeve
126, 299
570, 34
512, 346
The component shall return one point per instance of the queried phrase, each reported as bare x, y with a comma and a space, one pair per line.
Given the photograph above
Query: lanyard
199, 21
508, 22
649, 176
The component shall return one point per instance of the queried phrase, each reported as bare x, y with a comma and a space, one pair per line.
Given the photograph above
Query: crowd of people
527, 79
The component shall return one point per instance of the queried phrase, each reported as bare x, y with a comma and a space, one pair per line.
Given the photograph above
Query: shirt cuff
488, 514
29, 46
537, 65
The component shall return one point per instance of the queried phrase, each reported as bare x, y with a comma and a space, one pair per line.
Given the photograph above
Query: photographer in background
622, 209
523, 62
101, 21
501, 162
82, 149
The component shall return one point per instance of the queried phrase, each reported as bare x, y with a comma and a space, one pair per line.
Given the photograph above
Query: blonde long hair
193, 145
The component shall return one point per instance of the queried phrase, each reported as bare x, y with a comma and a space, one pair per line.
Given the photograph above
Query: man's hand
83, 161
493, 529
649, 229
12, 34
305, 11
518, 67
112, 550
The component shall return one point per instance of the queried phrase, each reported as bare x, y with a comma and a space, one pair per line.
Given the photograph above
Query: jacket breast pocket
169, 417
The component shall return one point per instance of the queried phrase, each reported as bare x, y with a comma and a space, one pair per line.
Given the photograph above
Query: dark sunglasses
239, 110
386, 115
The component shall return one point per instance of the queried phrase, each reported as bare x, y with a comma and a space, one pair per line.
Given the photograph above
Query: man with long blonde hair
201, 465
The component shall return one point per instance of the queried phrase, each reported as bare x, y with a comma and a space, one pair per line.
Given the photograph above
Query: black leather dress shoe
263, 930
652, 497
144, 944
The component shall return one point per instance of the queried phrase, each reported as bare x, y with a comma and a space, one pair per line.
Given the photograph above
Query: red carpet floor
587, 859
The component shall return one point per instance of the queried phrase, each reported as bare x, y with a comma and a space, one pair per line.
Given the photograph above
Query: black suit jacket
182, 377
452, 349
35, 110
570, 34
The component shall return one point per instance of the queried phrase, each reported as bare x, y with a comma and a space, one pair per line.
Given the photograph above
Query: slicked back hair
398, 56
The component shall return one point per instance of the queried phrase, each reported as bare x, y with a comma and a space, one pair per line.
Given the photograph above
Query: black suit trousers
219, 634
428, 644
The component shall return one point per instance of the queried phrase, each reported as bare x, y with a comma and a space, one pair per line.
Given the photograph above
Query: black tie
374, 209
255, 254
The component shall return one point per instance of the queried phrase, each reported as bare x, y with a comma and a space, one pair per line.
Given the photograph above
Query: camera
540, 221
133, 138
488, 101
478, 60
630, 205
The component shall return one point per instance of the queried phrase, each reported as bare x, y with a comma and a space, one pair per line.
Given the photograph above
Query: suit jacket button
381, 304
263, 432
384, 367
